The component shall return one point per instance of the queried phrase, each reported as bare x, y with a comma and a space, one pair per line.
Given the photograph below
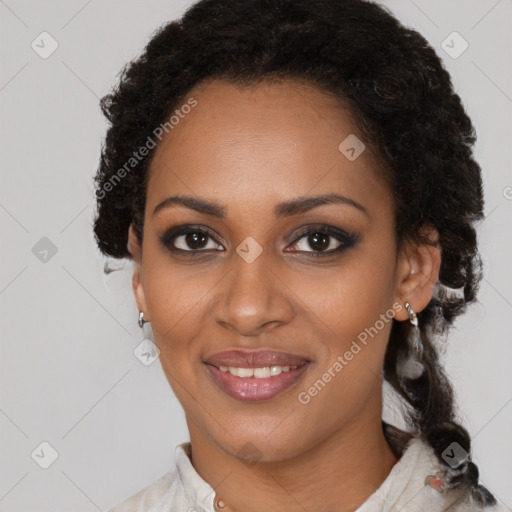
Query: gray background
68, 375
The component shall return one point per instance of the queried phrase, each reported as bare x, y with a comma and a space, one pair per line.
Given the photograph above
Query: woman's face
246, 277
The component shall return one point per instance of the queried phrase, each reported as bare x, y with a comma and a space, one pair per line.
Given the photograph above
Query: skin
249, 149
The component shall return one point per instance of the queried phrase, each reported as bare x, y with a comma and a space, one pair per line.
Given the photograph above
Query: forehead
259, 143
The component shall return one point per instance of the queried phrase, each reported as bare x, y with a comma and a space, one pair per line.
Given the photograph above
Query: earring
108, 268
411, 368
146, 327
146, 351
413, 317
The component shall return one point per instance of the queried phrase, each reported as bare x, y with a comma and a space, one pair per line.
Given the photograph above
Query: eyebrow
285, 209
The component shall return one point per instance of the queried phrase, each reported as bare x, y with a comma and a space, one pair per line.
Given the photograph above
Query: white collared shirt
405, 488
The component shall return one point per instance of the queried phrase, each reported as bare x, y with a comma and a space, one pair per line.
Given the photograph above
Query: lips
255, 358
255, 389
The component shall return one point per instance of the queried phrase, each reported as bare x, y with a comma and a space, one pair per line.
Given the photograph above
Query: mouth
255, 376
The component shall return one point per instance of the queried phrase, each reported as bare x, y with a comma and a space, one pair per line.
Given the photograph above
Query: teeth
276, 370
259, 373
242, 372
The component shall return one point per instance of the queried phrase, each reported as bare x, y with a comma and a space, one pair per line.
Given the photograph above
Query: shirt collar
198, 491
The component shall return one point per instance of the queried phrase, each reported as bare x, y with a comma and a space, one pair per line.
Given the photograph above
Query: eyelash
345, 238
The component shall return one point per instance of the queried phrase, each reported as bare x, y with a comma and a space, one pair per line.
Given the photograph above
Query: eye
324, 240
190, 239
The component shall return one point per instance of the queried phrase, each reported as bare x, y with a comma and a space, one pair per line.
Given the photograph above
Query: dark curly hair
405, 106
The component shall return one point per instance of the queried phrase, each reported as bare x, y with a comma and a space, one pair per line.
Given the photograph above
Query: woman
294, 182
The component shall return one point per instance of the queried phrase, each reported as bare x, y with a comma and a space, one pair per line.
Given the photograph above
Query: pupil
196, 240
320, 240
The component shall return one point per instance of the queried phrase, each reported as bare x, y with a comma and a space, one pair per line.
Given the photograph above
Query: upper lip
255, 358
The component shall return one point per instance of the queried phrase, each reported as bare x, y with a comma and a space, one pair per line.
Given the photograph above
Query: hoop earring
411, 367
146, 327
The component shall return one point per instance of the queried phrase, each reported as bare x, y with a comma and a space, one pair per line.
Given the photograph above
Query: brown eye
190, 239
193, 241
319, 241
323, 241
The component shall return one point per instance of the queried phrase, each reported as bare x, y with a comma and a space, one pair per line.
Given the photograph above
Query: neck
337, 475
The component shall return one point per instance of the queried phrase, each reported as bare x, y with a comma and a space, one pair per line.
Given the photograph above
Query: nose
252, 299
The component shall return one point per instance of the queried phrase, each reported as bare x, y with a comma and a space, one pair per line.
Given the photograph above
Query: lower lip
253, 389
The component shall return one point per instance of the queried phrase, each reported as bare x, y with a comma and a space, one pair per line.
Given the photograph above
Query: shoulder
149, 498
426, 489
179, 489
415, 484
452, 500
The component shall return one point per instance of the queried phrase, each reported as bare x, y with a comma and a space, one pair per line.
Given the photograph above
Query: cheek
178, 297
352, 307
176, 300
177, 305
170, 297
348, 298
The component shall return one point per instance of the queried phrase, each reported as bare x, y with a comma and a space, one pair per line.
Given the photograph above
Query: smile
259, 373
256, 384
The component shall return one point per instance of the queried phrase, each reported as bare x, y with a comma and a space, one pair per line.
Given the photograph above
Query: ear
135, 250
417, 272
